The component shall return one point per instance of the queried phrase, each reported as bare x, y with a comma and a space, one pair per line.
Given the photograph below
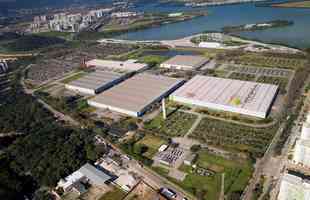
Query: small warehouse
242, 97
124, 66
185, 62
95, 82
134, 96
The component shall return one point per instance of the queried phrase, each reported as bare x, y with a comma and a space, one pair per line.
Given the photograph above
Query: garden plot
239, 138
259, 70
270, 61
176, 124
242, 76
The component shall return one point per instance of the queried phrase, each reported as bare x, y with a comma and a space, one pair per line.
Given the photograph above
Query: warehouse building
134, 96
302, 153
126, 66
95, 82
185, 62
243, 97
294, 187
305, 131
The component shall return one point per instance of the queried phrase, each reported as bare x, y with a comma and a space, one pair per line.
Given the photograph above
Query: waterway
297, 35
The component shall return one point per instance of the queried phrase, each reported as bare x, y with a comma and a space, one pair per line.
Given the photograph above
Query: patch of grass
176, 124
73, 77
153, 143
115, 194
153, 59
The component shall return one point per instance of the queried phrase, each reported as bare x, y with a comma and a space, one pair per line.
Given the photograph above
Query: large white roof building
243, 97
185, 62
294, 188
95, 82
134, 96
302, 153
127, 66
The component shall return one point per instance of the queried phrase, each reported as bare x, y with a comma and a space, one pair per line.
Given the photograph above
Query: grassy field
153, 143
115, 194
176, 124
299, 4
239, 138
237, 174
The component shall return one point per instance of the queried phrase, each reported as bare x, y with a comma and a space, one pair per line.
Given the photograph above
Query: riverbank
298, 4
150, 21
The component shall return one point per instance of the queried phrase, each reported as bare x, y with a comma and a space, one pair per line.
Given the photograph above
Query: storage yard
243, 97
134, 96
95, 82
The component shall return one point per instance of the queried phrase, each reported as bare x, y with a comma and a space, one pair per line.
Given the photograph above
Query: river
297, 35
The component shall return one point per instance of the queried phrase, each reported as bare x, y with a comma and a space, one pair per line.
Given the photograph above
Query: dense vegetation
32, 42
47, 152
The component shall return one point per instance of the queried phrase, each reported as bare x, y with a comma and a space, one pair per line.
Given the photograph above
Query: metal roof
136, 93
187, 60
129, 65
96, 79
95, 176
246, 95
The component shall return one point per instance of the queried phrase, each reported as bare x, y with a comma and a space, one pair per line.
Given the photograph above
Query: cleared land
300, 4
176, 124
115, 194
253, 141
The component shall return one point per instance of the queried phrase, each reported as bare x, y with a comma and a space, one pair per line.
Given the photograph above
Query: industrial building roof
136, 93
187, 60
129, 65
304, 143
246, 95
96, 79
96, 176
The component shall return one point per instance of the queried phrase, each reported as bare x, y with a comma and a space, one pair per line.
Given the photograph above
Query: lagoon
297, 35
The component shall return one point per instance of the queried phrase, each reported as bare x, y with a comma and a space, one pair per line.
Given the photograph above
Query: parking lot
172, 157
55, 63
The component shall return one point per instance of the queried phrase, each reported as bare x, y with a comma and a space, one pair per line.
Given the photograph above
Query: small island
257, 26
